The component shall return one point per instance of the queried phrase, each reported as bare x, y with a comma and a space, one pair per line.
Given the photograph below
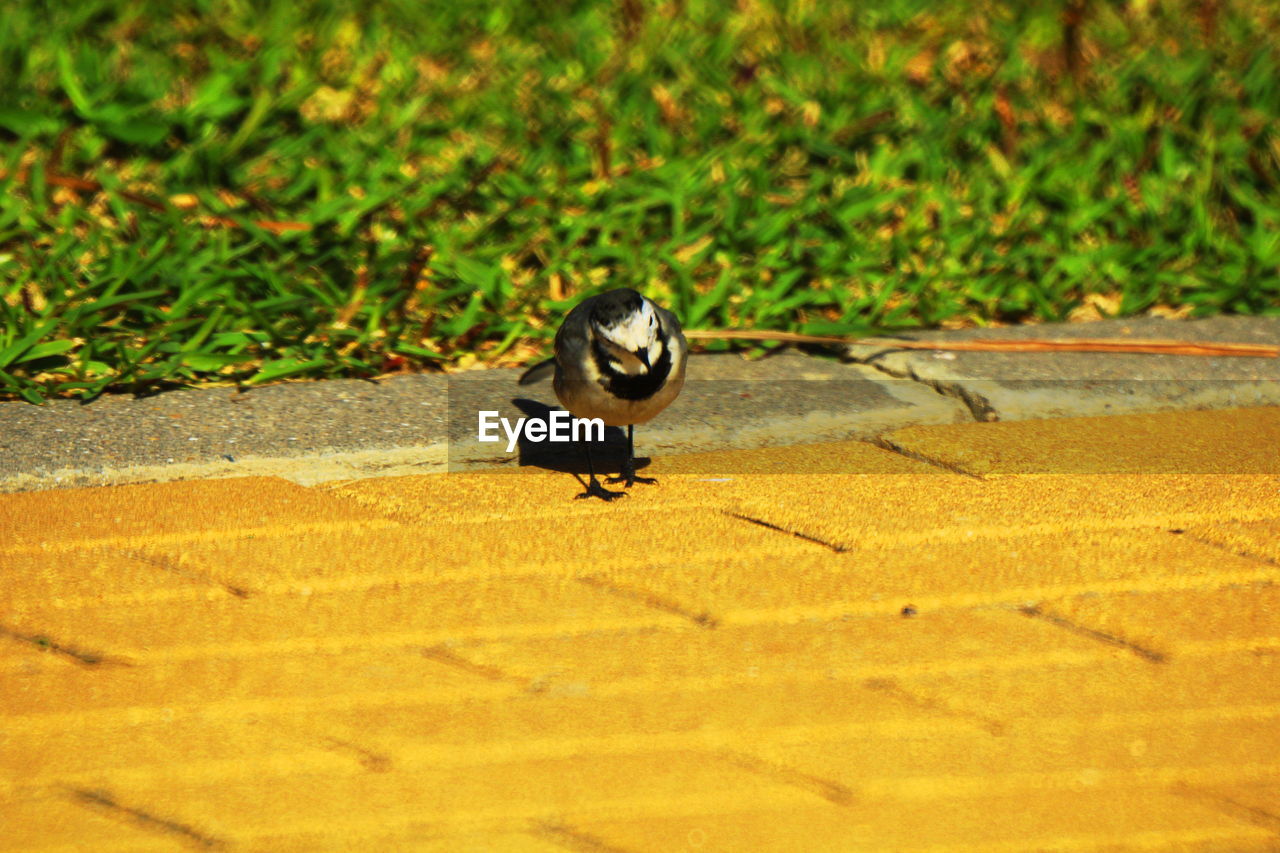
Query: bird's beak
643, 355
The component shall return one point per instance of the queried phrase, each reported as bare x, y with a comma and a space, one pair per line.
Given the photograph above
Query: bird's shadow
568, 457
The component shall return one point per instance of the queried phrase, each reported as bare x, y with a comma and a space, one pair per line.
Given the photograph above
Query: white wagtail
618, 357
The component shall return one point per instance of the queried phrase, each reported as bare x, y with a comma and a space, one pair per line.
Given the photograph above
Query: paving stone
1233, 441
1161, 620
842, 457
505, 795
917, 658
124, 516
1258, 539
849, 511
1032, 821
877, 579
63, 822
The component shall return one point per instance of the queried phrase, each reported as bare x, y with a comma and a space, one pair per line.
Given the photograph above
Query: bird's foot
629, 478
595, 490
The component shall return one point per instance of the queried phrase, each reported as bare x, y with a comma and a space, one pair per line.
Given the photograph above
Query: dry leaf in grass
919, 68
1170, 312
556, 284
1096, 306
671, 113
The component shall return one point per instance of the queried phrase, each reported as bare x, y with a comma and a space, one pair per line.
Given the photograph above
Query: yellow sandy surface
908, 653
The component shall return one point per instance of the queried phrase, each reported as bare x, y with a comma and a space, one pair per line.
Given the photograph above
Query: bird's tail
539, 371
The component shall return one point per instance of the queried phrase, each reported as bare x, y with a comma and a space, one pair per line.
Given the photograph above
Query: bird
619, 357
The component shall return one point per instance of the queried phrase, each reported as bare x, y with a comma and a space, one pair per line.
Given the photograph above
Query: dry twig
1148, 347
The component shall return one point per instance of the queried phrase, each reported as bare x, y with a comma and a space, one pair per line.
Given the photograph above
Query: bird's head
629, 329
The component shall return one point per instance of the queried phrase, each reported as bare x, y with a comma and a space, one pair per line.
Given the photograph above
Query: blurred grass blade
283, 367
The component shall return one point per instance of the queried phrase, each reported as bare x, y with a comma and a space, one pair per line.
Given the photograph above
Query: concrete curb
349, 429
1020, 386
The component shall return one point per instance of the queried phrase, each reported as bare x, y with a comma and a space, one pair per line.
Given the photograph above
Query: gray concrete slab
727, 402
344, 429
218, 431
1023, 385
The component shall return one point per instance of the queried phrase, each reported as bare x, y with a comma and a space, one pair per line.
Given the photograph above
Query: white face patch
636, 332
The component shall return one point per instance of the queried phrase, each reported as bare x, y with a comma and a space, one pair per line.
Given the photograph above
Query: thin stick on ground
1143, 346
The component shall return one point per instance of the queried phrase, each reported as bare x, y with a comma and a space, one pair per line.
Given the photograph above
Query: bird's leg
594, 489
629, 467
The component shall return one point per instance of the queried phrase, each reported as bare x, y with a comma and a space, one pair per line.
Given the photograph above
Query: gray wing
570, 345
573, 339
671, 324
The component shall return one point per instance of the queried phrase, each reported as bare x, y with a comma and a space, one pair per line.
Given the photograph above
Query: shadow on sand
568, 457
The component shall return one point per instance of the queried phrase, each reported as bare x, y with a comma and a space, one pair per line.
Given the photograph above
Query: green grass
826, 168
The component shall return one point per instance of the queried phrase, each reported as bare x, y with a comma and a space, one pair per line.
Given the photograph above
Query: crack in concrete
174, 567
892, 688
1255, 815
834, 546
893, 447
309, 737
369, 760
441, 655
1034, 611
573, 839
47, 644
145, 819
1237, 552
829, 789
651, 599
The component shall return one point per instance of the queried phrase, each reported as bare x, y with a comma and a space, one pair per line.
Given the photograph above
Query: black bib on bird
624, 385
